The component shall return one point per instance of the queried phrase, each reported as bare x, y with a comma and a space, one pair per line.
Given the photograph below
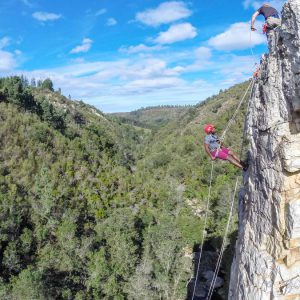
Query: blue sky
123, 55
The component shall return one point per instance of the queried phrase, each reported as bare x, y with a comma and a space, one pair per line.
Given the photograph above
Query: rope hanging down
236, 111
214, 279
213, 282
203, 232
207, 207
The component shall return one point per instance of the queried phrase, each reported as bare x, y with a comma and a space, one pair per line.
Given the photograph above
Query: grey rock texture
267, 257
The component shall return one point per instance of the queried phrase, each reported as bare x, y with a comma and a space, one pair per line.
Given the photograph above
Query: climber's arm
254, 16
208, 152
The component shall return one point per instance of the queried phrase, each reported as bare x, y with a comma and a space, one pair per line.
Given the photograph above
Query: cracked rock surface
267, 255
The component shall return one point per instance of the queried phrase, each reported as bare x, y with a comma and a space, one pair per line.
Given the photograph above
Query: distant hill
152, 117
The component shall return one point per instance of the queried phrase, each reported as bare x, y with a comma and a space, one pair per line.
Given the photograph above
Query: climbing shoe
245, 165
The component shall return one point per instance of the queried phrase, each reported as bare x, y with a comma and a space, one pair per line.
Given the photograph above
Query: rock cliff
267, 257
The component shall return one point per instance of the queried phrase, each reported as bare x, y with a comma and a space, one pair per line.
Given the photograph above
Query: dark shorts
222, 153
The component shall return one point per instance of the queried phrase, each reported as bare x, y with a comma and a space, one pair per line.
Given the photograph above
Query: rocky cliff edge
267, 257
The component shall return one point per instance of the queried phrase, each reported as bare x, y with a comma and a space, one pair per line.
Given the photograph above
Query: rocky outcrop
267, 257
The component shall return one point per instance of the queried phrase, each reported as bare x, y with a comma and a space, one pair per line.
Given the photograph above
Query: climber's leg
273, 22
234, 162
234, 156
225, 154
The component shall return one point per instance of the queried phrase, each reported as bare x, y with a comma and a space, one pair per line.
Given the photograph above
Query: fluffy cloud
127, 84
165, 13
27, 3
202, 56
4, 42
257, 4
7, 61
84, 47
203, 53
140, 48
45, 16
100, 12
176, 33
237, 37
111, 22
146, 85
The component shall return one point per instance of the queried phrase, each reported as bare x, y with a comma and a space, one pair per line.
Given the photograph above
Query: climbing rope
214, 279
205, 222
251, 47
208, 204
236, 111
215, 275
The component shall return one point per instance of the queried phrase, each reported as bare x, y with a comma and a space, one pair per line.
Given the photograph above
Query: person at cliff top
271, 15
215, 149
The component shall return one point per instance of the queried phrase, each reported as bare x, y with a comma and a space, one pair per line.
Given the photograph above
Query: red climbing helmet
208, 128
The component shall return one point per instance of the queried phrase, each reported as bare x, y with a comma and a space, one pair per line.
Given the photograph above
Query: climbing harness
265, 28
256, 73
228, 222
211, 288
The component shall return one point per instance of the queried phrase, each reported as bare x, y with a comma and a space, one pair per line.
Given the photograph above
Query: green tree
47, 84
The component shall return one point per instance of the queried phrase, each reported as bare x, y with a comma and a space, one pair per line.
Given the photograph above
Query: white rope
213, 282
251, 47
236, 111
205, 223
208, 202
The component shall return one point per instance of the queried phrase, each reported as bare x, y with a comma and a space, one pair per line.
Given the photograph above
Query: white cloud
18, 52
7, 61
136, 81
237, 37
257, 4
45, 16
84, 47
165, 13
101, 12
78, 60
234, 69
176, 33
112, 78
111, 22
203, 53
4, 42
27, 3
144, 85
140, 48
202, 56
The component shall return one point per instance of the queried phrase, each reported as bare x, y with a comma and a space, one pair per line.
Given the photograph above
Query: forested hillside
94, 208
153, 117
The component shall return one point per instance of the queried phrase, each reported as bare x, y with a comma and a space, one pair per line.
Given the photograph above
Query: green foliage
153, 117
92, 208
47, 84
52, 116
28, 285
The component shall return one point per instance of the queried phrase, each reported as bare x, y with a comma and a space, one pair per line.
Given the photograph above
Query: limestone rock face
267, 257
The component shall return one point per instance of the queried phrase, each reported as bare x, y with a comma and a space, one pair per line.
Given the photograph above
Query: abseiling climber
215, 149
272, 19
